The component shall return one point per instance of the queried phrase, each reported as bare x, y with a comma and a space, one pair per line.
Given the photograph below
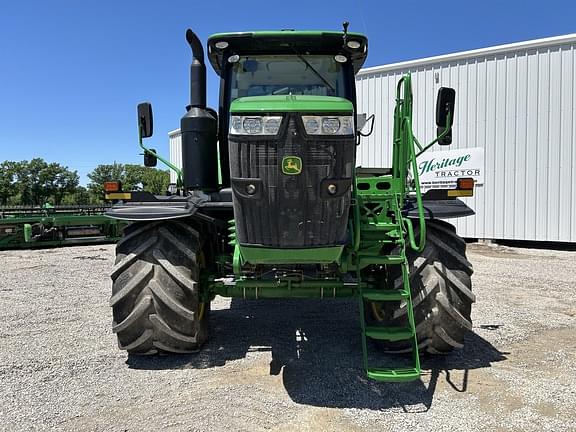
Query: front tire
155, 292
441, 294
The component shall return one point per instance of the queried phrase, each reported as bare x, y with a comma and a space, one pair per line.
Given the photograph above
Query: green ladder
391, 334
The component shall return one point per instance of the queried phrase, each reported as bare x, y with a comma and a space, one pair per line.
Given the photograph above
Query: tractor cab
261, 70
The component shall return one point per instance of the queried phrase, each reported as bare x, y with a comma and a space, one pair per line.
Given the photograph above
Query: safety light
255, 125
464, 188
465, 183
112, 186
221, 44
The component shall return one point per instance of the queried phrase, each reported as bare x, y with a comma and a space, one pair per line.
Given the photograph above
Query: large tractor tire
155, 295
441, 294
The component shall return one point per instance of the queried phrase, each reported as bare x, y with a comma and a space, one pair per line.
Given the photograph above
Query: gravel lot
283, 365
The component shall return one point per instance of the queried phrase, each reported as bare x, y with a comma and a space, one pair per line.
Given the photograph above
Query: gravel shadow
316, 346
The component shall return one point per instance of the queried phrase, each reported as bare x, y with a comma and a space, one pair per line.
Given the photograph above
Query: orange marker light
465, 183
112, 186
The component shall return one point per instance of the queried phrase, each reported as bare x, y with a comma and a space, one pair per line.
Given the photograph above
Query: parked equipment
281, 210
24, 227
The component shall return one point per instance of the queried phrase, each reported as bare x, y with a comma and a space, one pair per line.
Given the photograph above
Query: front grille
291, 210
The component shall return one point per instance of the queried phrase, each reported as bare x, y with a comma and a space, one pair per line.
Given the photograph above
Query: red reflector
465, 183
112, 186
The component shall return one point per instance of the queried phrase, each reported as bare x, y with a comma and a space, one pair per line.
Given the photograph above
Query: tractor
269, 204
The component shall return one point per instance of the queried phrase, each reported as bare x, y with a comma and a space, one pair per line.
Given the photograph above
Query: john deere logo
291, 165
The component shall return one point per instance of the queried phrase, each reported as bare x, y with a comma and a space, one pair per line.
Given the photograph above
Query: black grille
291, 210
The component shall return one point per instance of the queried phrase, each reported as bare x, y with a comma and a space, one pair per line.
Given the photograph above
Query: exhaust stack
197, 71
199, 128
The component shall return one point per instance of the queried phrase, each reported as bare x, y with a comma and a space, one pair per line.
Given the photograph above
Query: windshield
264, 75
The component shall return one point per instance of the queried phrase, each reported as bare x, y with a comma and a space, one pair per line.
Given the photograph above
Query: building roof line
498, 49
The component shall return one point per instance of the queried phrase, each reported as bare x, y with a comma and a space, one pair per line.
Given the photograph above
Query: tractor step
392, 334
394, 375
384, 295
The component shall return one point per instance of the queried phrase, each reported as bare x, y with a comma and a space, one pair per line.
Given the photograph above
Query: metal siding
175, 152
517, 102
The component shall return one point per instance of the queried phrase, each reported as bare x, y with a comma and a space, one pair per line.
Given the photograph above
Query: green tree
80, 196
156, 181
35, 182
8, 186
56, 181
147, 179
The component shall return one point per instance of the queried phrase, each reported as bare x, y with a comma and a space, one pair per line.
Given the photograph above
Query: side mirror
445, 113
145, 122
150, 159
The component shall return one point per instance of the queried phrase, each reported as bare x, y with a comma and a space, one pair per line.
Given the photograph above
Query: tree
80, 196
156, 181
35, 182
148, 179
7, 181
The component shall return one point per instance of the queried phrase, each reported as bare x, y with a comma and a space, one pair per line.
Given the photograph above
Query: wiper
324, 80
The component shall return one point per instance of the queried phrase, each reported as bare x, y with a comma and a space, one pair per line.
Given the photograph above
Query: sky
72, 72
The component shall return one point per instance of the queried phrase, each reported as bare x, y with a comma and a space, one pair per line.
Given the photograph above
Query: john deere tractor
270, 204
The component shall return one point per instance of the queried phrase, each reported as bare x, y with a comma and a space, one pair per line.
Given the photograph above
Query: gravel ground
283, 365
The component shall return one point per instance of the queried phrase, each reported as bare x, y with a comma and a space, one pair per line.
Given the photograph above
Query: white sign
441, 169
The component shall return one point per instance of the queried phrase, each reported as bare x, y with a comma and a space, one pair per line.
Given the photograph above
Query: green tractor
270, 204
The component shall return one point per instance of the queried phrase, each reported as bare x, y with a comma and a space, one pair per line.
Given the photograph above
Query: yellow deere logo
291, 165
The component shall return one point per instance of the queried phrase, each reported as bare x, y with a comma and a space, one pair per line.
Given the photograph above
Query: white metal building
175, 143
518, 102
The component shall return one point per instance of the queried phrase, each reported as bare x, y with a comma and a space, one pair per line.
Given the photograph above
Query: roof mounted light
340, 58
353, 44
233, 58
221, 44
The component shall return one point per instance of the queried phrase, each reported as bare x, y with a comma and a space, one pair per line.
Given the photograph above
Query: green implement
24, 227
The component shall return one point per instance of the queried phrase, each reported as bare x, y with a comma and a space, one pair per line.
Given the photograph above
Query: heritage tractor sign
441, 169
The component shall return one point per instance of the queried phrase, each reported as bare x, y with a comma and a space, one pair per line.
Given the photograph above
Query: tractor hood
291, 103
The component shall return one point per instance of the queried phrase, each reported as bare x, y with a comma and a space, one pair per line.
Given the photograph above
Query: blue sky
72, 72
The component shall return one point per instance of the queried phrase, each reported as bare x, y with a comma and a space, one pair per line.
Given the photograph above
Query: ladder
391, 334
379, 226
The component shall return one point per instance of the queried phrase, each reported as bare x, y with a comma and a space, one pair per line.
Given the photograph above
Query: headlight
328, 125
255, 125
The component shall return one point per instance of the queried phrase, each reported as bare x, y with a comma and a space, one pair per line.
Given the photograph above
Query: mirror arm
371, 120
161, 159
439, 137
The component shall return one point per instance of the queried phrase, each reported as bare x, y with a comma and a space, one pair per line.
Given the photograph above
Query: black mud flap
441, 209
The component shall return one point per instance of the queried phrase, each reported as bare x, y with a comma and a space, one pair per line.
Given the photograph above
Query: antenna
345, 25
